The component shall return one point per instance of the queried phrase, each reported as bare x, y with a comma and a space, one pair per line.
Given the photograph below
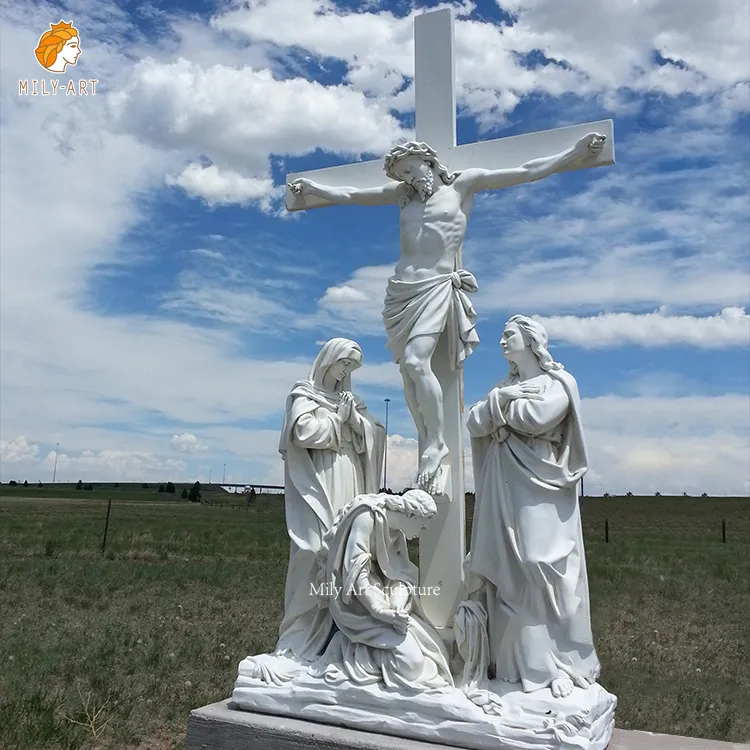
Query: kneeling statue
372, 595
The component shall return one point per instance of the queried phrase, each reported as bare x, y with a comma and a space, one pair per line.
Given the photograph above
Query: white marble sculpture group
506, 659
354, 643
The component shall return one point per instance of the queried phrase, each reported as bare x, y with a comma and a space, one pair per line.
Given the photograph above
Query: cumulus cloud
17, 451
220, 187
209, 101
730, 327
186, 442
359, 300
589, 48
238, 117
344, 293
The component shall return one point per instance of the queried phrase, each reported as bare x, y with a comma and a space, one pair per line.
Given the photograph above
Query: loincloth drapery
429, 306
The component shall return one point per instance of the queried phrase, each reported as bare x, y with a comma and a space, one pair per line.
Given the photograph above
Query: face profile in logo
58, 47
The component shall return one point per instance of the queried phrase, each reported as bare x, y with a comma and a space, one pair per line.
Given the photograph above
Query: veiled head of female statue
335, 363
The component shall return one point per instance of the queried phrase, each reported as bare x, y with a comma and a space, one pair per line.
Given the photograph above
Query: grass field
113, 650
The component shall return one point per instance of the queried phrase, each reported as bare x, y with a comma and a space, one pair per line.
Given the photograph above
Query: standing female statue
333, 451
527, 562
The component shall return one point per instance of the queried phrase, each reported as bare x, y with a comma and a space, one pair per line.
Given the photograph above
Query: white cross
442, 546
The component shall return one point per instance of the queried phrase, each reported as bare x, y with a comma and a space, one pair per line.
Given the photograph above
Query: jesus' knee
416, 367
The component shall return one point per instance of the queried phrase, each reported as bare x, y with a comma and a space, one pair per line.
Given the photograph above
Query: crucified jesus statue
426, 295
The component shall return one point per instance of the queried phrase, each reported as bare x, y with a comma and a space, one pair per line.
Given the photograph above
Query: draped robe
326, 464
527, 555
367, 564
428, 306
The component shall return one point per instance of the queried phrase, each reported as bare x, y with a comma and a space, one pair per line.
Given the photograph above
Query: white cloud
17, 451
597, 48
359, 300
232, 300
133, 456
402, 461
67, 367
632, 236
696, 416
730, 327
239, 117
219, 187
673, 445
343, 293
186, 442
236, 103
117, 466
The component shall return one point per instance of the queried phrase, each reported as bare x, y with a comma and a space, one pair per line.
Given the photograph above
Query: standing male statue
427, 293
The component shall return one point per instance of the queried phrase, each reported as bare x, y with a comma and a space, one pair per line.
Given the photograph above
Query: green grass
113, 651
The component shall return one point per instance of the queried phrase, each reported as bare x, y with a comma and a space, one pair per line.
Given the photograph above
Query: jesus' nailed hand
435, 206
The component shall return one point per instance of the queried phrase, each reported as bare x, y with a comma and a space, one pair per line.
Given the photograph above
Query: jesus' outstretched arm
474, 180
392, 192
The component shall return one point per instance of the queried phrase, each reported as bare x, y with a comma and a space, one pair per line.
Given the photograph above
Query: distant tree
161, 488
12, 483
79, 486
251, 494
25, 482
184, 494
195, 493
169, 488
629, 494
144, 486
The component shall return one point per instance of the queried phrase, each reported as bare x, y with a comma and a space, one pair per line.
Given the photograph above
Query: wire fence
707, 519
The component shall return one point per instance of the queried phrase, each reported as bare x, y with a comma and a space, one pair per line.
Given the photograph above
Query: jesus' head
416, 164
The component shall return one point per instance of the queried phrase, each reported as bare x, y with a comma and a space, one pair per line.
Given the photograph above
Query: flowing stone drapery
527, 543
327, 462
368, 574
433, 305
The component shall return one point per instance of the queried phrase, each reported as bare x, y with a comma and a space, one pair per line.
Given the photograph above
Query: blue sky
157, 302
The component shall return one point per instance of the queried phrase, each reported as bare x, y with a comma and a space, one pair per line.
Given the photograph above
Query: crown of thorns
415, 148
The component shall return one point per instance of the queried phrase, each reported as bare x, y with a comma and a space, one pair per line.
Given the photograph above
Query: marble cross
442, 545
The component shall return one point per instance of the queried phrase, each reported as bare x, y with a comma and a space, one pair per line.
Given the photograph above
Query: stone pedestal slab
218, 727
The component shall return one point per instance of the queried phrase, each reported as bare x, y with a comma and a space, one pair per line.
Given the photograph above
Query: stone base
218, 727
503, 718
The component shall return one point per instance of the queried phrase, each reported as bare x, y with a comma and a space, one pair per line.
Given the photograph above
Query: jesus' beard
424, 186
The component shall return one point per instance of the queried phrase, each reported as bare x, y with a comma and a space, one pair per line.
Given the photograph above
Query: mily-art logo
58, 48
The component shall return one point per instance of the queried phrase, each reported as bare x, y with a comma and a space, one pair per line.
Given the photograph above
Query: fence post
606, 530
723, 531
106, 524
